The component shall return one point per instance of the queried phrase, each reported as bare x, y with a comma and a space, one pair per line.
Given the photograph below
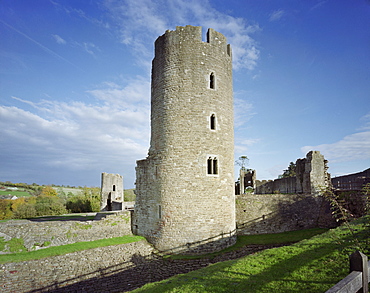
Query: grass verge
66, 217
260, 239
311, 265
68, 248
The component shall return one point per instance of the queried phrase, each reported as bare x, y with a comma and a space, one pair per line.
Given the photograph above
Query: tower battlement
187, 35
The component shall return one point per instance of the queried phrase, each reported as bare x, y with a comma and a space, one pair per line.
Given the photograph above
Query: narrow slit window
215, 166
212, 166
159, 211
114, 188
213, 122
212, 81
209, 166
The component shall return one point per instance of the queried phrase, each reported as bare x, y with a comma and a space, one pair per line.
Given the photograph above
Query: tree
49, 205
5, 209
88, 200
26, 210
242, 161
48, 191
290, 172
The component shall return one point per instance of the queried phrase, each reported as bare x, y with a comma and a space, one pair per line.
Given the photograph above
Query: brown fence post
358, 262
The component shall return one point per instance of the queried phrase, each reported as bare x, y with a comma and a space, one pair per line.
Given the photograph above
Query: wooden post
358, 262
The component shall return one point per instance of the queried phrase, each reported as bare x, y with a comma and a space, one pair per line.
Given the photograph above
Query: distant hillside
66, 190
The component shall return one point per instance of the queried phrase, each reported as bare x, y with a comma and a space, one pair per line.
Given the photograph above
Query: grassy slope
312, 265
68, 248
17, 193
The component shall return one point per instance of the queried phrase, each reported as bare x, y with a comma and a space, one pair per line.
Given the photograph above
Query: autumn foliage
48, 202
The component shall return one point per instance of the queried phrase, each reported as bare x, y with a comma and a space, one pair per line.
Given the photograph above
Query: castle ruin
111, 192
311, 177
185, 187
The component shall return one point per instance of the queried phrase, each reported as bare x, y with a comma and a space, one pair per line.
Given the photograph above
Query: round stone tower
185, 187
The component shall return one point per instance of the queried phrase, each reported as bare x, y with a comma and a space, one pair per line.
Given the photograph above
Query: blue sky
75, 83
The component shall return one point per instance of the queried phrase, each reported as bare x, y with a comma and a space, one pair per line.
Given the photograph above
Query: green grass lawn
17, 193
311, 265
260, 239
66, 217
68, 248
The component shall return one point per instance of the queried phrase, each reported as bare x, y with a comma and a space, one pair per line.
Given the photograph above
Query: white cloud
318, 5
141, 22
242, 145
90, 48
41, 46
275, 171
112, 134
243, 112
59, 39
135, 93
276, 15
352, 147
366, 119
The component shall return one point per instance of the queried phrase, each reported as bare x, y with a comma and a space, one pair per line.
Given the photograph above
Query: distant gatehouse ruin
111, 192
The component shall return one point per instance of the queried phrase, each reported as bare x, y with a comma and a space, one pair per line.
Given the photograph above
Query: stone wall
91, 270
38, 232
274, 213
185, 187
355, 181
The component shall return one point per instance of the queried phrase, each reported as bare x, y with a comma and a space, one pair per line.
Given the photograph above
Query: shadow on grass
267, 272
222, 277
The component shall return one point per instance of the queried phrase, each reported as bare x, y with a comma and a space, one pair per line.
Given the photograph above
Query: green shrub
49, 205
26, 210
78, 204
5, 209
87, 201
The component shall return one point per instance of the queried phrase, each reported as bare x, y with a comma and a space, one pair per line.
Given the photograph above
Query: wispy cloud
90, 48
366, 119
276, 15
318, 5
141, 22
352, 147
242, 145
80, 14
76, 136
59, 39
243, 111
47, 50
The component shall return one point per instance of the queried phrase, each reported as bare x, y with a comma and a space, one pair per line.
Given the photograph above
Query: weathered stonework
39, 233
247, 179
311, 177
275, 213
111, 192
185, 189
355, 181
